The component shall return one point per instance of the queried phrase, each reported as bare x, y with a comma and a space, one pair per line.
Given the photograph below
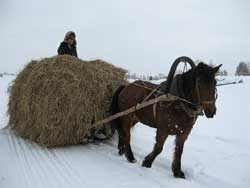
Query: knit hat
68, 35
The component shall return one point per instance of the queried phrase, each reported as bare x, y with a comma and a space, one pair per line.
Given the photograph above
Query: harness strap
179, 98
197, 91
147, 88
150, 94
154, 111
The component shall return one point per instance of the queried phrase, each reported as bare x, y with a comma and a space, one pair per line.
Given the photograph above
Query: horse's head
205, 84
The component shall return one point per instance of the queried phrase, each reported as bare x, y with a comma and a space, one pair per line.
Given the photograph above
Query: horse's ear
215, 69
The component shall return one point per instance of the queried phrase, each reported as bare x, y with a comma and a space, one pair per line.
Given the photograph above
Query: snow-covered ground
215, 155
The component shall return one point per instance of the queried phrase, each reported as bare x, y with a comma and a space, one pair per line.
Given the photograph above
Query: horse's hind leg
121, 145
128, 151
124, 138
123, 135
161, 137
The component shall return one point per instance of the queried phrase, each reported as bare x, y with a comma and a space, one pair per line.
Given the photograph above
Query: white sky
143, 36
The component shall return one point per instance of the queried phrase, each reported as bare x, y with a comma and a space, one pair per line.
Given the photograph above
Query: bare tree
242, 69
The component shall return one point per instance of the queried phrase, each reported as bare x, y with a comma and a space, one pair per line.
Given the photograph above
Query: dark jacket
65, 49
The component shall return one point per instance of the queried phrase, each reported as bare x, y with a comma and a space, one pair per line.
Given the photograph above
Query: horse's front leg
176, 165
161, 137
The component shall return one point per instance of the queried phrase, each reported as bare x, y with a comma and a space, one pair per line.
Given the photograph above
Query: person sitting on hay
68, 46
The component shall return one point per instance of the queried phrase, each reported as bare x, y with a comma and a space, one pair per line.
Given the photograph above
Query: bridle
200, 103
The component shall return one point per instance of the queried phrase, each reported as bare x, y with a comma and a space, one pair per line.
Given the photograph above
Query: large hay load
54, 101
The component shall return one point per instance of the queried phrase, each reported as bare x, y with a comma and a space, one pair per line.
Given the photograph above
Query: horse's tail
114, 108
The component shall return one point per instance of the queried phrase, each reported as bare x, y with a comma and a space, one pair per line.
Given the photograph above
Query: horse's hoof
179, 174
121, 152
146, 164
132, 160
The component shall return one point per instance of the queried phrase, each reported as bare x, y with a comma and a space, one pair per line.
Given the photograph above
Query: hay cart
64, 100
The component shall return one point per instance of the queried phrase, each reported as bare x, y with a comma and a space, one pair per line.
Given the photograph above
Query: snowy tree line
5, 73
134, 76
243, 69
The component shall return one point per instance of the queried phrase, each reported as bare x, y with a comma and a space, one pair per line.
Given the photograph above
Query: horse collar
191, 111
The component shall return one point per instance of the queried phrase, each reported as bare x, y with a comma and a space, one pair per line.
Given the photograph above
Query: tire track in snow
31, 163
41, 167
13, 143
55, 165
68, 172
35, 163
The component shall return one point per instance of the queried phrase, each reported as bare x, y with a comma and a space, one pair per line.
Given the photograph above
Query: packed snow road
216, 153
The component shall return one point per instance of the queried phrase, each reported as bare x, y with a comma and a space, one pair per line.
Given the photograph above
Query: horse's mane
188, 81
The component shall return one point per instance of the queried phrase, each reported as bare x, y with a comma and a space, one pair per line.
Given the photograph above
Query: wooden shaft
167, 97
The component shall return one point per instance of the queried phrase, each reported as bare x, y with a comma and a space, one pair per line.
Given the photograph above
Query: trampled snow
216, 153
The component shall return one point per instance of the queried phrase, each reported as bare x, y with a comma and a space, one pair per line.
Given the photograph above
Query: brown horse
198, 86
